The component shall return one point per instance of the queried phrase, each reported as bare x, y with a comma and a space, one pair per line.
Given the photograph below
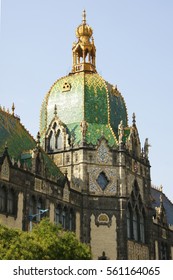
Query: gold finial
84, 17
84, 51
13, 109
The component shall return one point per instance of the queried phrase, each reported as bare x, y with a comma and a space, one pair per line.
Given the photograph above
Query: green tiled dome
85, 96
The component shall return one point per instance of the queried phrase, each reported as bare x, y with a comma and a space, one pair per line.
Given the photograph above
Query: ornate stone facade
87, 167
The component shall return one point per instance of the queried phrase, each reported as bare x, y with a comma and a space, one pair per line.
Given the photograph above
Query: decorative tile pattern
94, 172
103, 155
21, 143
90, 98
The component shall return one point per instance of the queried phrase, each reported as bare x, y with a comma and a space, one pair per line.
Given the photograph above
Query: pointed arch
129, 217
135, 215
58, 140
56, 136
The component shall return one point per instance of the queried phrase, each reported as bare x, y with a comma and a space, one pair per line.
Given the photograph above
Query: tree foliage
46, 242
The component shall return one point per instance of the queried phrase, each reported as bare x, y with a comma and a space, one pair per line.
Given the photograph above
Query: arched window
10, 202
135, 216
129, 222
142, 232
135, 225
58, 140
51, 145
2, 199
55, 139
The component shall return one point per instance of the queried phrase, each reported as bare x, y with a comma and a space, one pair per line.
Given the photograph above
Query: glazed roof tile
20, 143
90, 98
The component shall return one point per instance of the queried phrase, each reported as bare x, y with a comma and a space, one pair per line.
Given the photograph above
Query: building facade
87, 166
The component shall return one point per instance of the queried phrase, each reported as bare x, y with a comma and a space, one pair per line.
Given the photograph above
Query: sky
134, 42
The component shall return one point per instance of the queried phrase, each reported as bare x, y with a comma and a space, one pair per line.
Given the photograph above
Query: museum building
87, 167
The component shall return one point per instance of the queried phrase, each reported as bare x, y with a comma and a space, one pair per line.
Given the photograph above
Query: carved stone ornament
120, 132
5, 170
103, 153
66, 193
103, 218
84, 127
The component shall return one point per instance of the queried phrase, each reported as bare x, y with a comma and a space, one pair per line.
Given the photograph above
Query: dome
85, 97
84, 30
83, 102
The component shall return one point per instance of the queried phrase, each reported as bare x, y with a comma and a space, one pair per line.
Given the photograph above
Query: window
71, 220
58, 140
39, 207
51, 141
164, 251
129, 216
64, 218
2, 199
55, 139
32, 206
135, 217
10, 202
102, 180
35, 205
57, 215
142, 233
135, 225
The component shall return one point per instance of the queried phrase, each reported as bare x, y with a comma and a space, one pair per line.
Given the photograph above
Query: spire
84, 17
84, 50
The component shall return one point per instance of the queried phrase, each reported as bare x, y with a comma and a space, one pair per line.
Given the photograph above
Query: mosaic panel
95, 100
103, 155
69, 104
110, 173
117, 109
96, 131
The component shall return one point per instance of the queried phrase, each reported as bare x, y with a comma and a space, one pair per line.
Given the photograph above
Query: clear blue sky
134, 41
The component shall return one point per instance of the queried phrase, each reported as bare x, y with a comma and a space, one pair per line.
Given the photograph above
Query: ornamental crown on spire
84, 50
